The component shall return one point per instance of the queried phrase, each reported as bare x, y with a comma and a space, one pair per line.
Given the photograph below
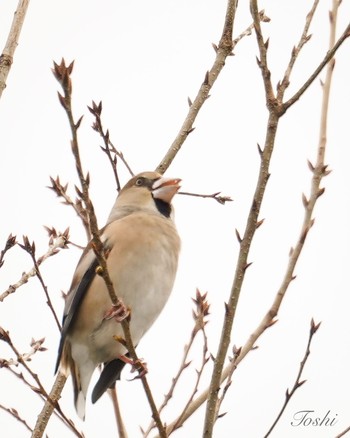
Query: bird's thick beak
166, 188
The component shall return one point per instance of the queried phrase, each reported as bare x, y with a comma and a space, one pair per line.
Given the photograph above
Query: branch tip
239, 238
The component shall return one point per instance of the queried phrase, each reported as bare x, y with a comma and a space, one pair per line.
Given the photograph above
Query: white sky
143, 59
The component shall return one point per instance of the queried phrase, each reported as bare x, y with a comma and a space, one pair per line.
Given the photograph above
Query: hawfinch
142, 247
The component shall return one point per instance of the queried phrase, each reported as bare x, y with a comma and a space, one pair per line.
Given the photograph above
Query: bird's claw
118, 311
136, 365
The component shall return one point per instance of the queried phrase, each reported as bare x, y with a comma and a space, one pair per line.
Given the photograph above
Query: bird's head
149, 190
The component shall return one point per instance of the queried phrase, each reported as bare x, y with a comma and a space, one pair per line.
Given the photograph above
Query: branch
50, 405
22, 359
262, 62
223, 50
329, 56
220, 199
344, 432
319, 171
249, 29
108, 149
10, 243
30, 249
200, 321
245, 242
6, 58
305, 37
15, 414
61, 192
298, 383
55, 244
62, 74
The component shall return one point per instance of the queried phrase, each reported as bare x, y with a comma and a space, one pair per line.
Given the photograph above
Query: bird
142, 248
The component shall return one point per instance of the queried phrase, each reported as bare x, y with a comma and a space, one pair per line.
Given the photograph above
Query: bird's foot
118, 311
137, 365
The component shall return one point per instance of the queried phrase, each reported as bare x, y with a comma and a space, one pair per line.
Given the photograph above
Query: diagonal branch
15, 414
56, 243
305, 37
63, 76
329, 56
6, 58
298, 383
223, 50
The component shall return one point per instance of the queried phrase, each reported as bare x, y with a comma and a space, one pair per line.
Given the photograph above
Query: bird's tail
81, 375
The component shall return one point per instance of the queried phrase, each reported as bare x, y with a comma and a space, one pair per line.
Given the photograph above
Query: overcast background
143, 59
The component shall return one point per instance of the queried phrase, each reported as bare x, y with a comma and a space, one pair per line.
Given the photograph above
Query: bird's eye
139, 182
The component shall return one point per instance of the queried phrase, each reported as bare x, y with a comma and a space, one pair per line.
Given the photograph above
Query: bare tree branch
223, 50
10, 243
216, 196
63, 76
329, 56
305, 37
54, 246
298, 383
320, 171
6, 58
50, 405
15, 414
108, 149
343, 433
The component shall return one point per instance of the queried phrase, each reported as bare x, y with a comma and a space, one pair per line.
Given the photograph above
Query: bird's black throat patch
163, 207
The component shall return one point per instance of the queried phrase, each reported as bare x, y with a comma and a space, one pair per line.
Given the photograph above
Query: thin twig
220, 199
329, 56
175, 380
223, 50
61, 192
108, 149
304, 38
249, 29
298, 383
96, 110
6, 58
236, 352
200, 316
262, 62
343, 433
22, 359
54, 246
15, 414
10, 243
30, 249
118, 415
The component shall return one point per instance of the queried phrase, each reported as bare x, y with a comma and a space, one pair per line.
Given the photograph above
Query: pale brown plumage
143, 247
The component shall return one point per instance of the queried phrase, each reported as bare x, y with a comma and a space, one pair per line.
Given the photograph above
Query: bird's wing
84, 274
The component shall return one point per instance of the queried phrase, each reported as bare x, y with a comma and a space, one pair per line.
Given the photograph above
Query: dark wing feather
74, 305
110, 373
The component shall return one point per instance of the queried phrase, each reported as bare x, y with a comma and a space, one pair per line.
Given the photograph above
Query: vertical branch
6, 58
319, 171
262, 62
245, 242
